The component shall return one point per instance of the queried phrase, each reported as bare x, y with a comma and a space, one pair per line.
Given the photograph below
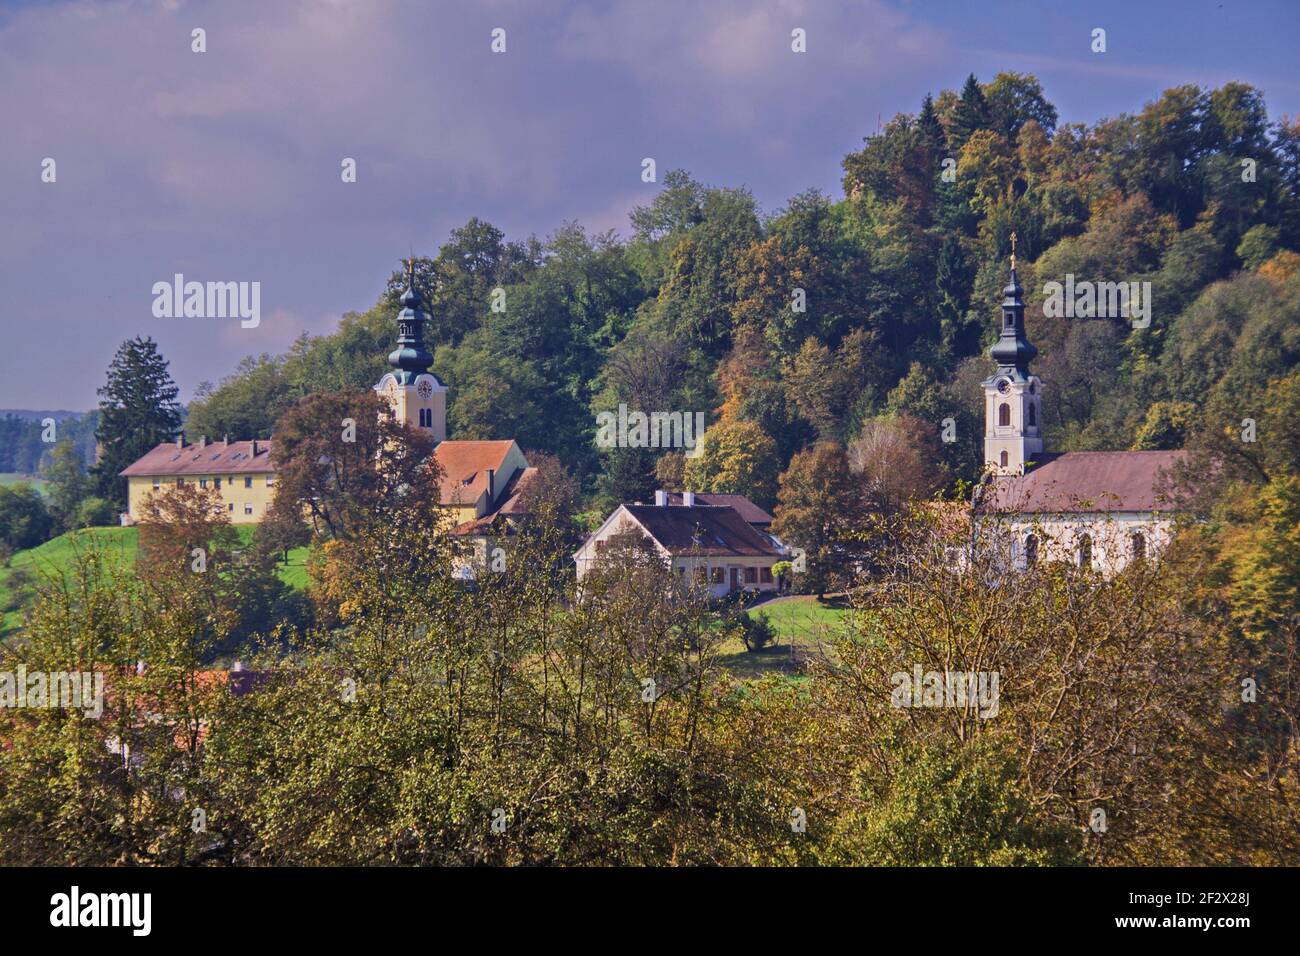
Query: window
1033, 416
203, 482
180, 482
248, 481
1085, 551
230, 507
1003, 460
426, 418
765, 575
1004, 415
701, 574
718, 576
1138, 545
751, 575
270, 481
248, 509
217, 483
1031, 550
156, 483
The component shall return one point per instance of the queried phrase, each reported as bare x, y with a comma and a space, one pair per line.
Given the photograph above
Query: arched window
1031, 550
1085, 551
1032, 418
1138, 545
1004, 414
1003, 459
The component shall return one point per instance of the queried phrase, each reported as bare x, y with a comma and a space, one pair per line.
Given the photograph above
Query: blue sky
225, 165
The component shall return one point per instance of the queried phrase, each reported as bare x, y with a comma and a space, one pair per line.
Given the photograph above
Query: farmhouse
1098, 509
717, 545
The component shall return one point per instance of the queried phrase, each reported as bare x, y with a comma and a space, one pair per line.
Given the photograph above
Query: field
57, 554
13, 478
803, 625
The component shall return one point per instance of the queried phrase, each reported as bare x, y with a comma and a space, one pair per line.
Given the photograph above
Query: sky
225, 165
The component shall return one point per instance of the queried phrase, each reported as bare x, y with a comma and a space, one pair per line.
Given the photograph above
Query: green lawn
57, 554
803, 623
13, 478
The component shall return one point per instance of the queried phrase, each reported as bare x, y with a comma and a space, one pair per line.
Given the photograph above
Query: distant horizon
225, 165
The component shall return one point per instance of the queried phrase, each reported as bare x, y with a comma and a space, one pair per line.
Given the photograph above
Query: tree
897, 459
818, 505
137, 412
24, 520
1015, 99
346, 463
972, 114
69, 483
735, 457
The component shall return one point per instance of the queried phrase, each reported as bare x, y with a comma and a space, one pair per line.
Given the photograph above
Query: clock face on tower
1004, 386
424, 389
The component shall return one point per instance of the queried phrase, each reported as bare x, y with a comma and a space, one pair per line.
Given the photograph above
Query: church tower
1012, 396
417, 397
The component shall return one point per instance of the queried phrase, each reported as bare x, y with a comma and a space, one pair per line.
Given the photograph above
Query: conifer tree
137, 411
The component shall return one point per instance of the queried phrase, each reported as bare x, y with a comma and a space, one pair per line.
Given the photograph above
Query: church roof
465, 465
1083, 482
703, 530
213, 458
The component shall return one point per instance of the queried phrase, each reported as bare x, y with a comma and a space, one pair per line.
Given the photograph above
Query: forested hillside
901, 275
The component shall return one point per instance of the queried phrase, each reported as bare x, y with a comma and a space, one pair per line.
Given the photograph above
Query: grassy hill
803, 625
57, 554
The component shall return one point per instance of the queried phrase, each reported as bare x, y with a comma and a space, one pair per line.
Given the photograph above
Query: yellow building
243, 472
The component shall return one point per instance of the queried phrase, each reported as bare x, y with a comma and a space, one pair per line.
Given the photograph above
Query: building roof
1085, 481
465, 465
704, 530
213, 458
744, 507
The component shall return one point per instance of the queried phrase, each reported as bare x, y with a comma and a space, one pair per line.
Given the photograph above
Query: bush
756, 631
95, 513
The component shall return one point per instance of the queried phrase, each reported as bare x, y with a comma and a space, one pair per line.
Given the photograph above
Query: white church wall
1061, 537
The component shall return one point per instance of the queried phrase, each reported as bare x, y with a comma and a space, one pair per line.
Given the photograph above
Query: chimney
180, 442
688, 499
661, 499
225, 441
254, 447
203, 441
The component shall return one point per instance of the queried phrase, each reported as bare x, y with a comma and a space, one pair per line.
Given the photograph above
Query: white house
708, 544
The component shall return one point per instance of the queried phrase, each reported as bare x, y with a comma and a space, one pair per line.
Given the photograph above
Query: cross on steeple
1013, 250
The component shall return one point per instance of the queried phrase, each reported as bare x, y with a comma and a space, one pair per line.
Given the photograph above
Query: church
1094, 509
481, 480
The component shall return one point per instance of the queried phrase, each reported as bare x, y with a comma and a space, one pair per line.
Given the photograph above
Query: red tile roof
464, 467
1085, 481
744, 507
703, 530
215, 458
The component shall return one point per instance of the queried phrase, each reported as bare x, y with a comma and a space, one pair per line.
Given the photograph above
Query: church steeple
1013, 351
1012, 395
414, 393
410, 358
